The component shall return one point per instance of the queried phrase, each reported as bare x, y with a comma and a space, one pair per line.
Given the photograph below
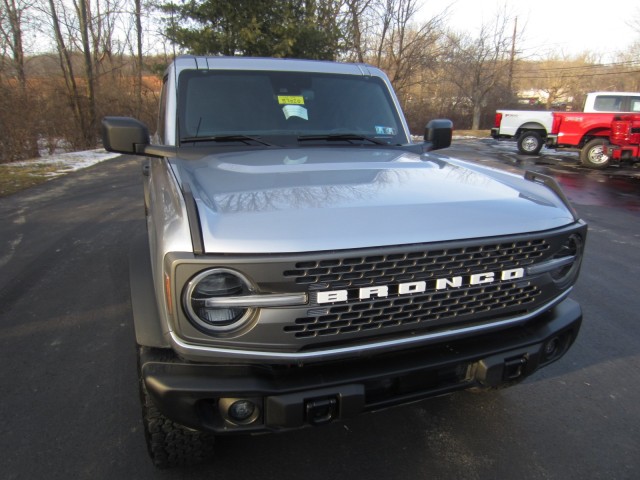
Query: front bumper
289, 397
552, 140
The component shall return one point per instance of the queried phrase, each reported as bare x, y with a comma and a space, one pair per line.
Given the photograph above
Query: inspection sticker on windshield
385, 130
290, 99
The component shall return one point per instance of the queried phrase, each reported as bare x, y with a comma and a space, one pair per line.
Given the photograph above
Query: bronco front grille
455, 305
465, 304
420, 265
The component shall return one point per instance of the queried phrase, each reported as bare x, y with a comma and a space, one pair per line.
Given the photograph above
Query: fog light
551, 348
239, 411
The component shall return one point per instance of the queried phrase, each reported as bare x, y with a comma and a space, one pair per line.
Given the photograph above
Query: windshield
221, 103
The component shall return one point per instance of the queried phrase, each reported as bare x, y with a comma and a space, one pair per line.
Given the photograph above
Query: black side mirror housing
124, 135
438, 133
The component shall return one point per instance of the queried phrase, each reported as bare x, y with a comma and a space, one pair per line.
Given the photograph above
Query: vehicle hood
329, 198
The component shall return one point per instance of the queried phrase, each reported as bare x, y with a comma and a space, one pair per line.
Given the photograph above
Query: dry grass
17, 177
472, 133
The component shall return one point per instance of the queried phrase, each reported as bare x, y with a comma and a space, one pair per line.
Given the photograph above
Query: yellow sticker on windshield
290, 99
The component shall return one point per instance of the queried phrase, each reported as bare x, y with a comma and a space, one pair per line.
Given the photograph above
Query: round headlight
571, 250
217, 284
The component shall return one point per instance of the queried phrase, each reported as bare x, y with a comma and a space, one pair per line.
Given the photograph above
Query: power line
630, 63
580, 75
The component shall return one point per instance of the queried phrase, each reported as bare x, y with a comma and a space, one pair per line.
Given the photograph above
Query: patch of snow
463, 137
68, 162
13, 244
420, 139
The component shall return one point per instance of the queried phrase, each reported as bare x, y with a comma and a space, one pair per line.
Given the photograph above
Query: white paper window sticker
385, 130
295, 161
295, 111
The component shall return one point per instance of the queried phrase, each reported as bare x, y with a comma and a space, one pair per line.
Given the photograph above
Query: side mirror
124, 135
438, 133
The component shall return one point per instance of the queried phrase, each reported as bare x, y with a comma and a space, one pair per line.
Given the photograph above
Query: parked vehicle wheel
170, 444
592, 154
530, 143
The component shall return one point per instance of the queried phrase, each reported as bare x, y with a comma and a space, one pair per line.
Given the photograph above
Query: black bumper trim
188, 393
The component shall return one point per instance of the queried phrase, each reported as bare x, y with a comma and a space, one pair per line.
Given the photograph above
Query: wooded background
64, 64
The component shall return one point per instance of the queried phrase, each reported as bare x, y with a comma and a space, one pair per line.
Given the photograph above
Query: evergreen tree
264, 28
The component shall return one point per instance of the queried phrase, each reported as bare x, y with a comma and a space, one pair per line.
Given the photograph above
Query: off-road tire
530, 143
591, 155
170, 444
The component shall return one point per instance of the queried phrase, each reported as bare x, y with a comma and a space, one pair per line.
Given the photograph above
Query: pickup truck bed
528, 128
588, 132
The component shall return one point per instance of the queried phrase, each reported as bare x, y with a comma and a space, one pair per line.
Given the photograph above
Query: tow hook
493, 371
314, 407
513, 368
321, 411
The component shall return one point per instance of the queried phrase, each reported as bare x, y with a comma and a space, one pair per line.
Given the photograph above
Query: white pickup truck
530, 128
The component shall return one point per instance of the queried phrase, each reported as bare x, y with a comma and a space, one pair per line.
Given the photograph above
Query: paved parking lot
68, 378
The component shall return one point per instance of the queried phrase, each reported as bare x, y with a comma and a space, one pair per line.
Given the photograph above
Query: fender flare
146, 317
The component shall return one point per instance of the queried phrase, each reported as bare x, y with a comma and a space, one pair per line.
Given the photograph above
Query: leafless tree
21, 139
84, 29
55, 10
413, 50
478, 65
11, 34
139, 57
357, 23
82, 11
387, 34
552, 78
634, 22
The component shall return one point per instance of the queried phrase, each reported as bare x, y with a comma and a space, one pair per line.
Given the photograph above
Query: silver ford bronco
305, 261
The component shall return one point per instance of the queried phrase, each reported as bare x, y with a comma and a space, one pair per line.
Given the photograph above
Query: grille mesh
400, 311
421, 265
455, 305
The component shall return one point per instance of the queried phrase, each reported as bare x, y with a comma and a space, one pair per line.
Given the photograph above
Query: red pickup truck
589, 132
624, 138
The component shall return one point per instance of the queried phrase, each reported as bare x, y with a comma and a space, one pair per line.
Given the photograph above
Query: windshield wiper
226, 138
341, 136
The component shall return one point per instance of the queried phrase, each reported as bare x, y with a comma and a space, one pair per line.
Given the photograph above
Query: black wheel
170, 444
592, 154
529, 143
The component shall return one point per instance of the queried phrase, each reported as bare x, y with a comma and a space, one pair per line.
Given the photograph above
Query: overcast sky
567, 27
561, 26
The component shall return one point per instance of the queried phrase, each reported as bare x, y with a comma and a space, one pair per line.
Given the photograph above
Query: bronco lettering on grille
381, 291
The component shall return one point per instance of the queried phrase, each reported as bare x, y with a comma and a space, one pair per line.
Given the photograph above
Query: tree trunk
477, 113
138, 89
14, 39
67, 69
89, 133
